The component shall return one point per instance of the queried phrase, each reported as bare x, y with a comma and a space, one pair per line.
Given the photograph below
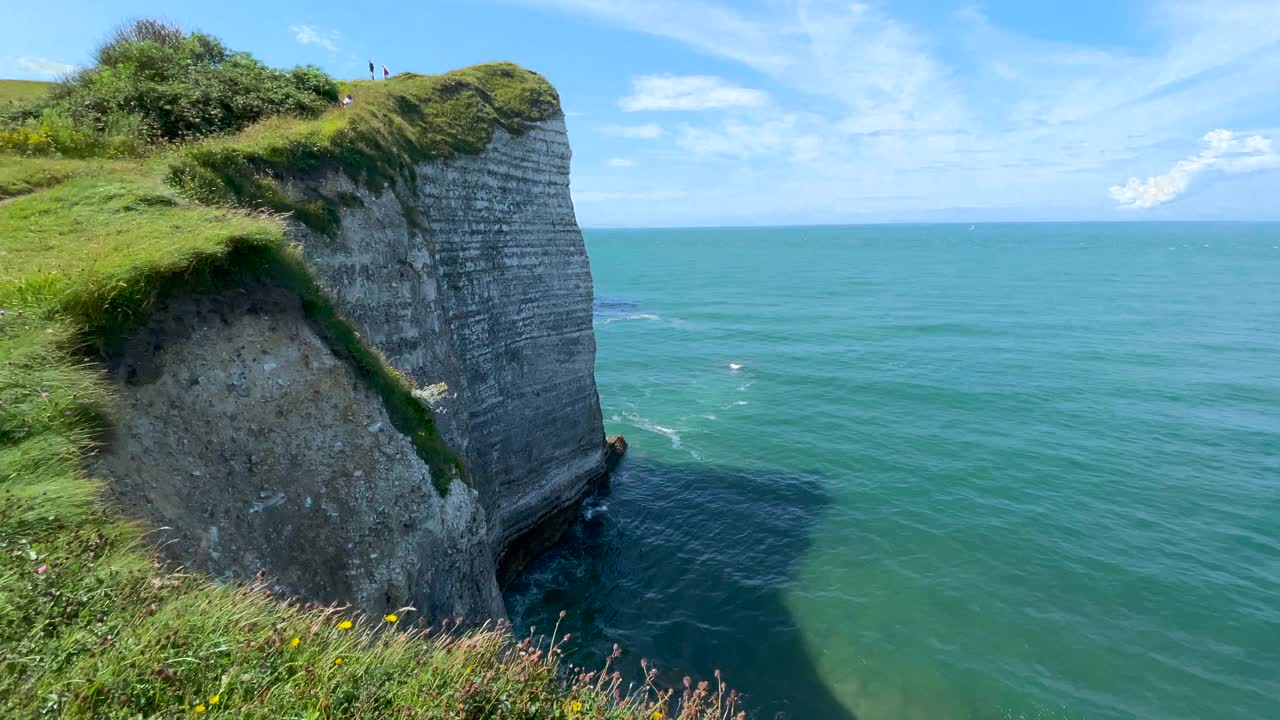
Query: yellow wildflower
213, 700
391, 617
337, 661
575, 706
200, 709
344, 625
657, 715
295, 642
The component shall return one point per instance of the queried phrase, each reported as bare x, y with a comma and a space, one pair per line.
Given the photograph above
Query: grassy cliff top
91, 626
390, 127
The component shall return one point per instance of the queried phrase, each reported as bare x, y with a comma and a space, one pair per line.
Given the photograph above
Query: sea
936, 471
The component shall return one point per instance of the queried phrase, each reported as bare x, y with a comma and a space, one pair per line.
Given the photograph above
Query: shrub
25, 140
56, 133
65, 135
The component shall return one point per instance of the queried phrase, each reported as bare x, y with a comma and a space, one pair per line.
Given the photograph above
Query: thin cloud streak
309, 35
591, 196
44, 67
689, 92
649, 131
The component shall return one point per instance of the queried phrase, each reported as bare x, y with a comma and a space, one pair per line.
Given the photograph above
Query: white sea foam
741, 402
633, 316
735, 366
647, 424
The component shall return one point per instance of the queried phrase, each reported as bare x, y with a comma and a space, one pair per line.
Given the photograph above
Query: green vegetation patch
21, 175
21, 92
391, 126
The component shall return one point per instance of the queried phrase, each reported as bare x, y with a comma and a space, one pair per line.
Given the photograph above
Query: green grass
14, 92
391, 126
19, 175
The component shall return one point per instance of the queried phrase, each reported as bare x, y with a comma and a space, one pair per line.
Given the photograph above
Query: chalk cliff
257, 448
251, 447
475, 276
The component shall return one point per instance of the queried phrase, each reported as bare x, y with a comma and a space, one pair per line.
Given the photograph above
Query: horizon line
927, 222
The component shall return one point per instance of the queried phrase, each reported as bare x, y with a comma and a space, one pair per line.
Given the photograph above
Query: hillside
92, 622
13, 92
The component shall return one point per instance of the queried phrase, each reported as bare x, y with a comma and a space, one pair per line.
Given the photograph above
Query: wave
633, 316
593, 507
735, 366
647, 424
613, 305
609, 309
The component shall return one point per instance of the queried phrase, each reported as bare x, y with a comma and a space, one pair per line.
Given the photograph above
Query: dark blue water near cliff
1018, 471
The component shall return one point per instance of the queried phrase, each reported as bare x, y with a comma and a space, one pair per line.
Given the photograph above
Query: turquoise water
1019, 471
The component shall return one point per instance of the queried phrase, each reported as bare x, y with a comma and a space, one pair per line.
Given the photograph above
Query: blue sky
710, 112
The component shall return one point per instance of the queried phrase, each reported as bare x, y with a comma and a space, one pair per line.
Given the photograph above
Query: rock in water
615, 448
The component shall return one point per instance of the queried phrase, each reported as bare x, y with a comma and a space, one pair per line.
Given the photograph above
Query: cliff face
251, 447
469, 274
476, 276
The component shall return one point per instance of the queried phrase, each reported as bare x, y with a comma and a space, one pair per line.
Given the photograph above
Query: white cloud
889, 76
310, 35
589, 196
791, 136
953, 110
1223, 152
650, 131
688, 92
619, 162
877, 66
44, 67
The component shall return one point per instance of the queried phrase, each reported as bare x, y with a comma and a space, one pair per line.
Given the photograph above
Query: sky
758, 112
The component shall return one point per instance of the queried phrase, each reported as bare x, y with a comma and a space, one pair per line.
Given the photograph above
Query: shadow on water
687, 565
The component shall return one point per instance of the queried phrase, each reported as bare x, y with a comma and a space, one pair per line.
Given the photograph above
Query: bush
25, 140
154, 83
56, 133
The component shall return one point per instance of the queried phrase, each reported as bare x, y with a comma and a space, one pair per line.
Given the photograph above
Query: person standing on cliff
371, 70
385, 72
